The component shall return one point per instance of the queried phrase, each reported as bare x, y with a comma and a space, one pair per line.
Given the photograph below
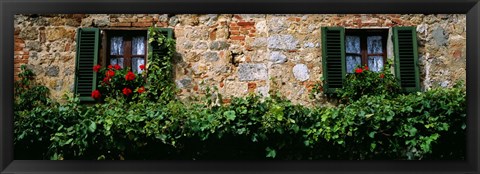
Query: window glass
138, 45
352, 44
375, 63
118, 61
374, 44
136, 62
116, 46
352, 63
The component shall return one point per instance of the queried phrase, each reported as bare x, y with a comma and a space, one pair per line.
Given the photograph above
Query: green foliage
27, 94
160, 66
365, 82
413, 126
33, 117
403, 127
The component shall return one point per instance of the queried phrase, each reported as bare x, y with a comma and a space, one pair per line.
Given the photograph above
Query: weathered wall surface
240, 53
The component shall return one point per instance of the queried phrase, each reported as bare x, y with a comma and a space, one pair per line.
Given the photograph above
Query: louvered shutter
406, 58
153, 47
333, 57
87, 56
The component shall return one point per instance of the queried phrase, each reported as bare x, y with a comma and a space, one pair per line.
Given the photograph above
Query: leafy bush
404, 127
33, 118
27, 93
366, 82
410, 126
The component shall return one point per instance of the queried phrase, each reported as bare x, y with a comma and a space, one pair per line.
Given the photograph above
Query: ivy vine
160, 66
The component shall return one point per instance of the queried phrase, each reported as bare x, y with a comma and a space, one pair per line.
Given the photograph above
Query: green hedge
428, 125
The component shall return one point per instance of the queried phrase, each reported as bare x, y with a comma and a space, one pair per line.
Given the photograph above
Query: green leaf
368, 115
241, 131
230, 115
372, 146
254, 138
413, 131
69, 141
92, 127
271, 153
371, 134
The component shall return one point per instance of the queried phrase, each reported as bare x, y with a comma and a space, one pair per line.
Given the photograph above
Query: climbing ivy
160, 66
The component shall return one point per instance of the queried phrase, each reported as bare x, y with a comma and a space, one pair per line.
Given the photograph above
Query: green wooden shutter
333, 57
87, 57
406, 58
153, 48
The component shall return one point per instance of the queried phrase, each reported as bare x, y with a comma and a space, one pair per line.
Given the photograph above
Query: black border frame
10, 7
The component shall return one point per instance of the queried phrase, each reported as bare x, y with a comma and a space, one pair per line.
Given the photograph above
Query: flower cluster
117, 81
359, 70
367, 82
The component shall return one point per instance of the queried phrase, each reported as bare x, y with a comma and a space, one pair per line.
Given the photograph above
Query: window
128, 48
365, 48
344, 49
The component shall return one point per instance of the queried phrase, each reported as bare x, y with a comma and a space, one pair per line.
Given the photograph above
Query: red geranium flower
110, 73
106, 80
96, 68
142, 67
358, 70
382, 76
117, 67
96, 94
130, 76
127, 91
110, 66
366, 68
141, 90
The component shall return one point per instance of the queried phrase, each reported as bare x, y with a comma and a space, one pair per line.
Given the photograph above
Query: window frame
127, 45
363, 34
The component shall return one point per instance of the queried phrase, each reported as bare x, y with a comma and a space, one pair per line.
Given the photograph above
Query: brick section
241, 29
213, 34
162, 24
121, 24
252, 86
226, 100
294, 19
21, 55
141, 24
237, 37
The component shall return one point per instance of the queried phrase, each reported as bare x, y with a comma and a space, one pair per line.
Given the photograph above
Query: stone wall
240, 53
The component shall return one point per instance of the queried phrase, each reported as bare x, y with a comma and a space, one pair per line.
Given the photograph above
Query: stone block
300, 72
439, 36
219, 45
184, 83
250, 71
56, 33
211, 56
29, 33
277, 57
33, 46
52, 71
282, 42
